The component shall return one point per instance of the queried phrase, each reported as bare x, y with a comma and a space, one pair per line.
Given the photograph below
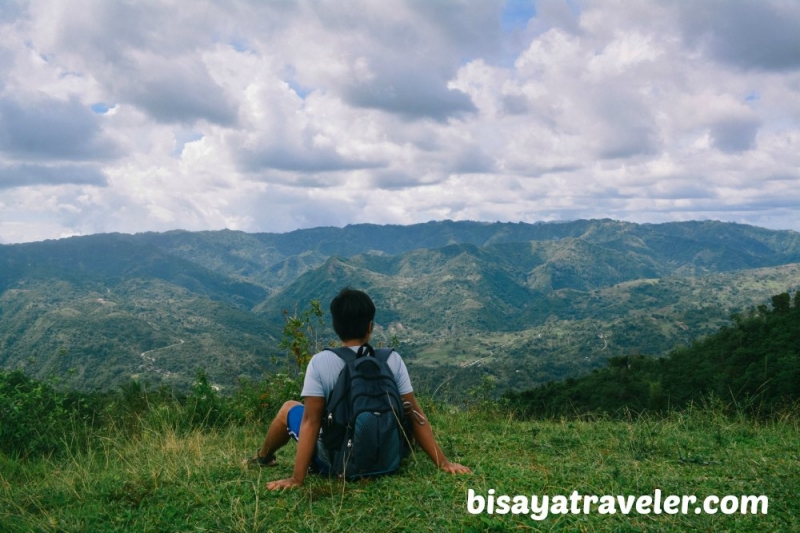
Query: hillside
135, 459
99, 310
752, 366
524, 303
274, 260
164, 479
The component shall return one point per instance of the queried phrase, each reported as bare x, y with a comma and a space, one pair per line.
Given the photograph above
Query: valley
519, 304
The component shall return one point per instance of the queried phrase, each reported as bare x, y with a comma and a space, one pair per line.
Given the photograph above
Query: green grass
161, 480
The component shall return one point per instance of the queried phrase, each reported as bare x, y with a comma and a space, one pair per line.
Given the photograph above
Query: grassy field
161, 480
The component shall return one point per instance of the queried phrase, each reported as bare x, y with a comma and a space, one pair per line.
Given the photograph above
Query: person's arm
306, 443
424, 436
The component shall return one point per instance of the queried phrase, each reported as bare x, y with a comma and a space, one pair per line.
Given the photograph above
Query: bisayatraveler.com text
539, 507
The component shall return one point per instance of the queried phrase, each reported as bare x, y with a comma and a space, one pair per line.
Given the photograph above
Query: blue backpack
364, 431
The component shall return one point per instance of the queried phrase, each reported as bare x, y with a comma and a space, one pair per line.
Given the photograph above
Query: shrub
36, 419
204, 408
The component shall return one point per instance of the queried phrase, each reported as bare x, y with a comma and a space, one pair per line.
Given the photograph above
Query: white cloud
269, 116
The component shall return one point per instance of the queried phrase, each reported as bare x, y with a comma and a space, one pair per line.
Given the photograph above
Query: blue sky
273, 116
517, 13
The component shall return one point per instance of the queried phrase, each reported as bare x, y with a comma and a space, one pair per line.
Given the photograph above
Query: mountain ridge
450, 292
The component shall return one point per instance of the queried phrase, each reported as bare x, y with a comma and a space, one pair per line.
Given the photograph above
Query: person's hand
454, 468
283, 484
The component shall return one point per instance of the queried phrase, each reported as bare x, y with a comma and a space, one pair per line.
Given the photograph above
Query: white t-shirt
324, 368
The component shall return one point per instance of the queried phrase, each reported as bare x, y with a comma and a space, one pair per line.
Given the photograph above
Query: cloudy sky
272, 116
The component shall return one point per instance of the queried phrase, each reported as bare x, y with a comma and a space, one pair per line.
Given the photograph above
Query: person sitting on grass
353, 314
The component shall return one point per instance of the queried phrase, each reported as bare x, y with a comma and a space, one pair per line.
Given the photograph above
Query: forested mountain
273, 260
525, 303
753, 365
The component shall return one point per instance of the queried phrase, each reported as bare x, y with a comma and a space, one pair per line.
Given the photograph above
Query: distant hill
274, 260
524, 303
86, 309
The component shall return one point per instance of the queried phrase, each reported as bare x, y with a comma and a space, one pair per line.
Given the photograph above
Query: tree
300, 333
781, 302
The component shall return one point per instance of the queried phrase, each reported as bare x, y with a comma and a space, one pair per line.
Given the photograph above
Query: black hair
352, 311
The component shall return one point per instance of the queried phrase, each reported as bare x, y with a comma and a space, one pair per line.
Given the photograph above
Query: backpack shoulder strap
344, 353
383, 353
347, 355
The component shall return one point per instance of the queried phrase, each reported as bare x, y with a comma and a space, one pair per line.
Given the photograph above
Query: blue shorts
293, 420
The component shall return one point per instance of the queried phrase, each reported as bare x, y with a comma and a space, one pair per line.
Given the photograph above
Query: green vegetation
93, 336
752, 367
139, 459
166, 477
301, 334
523, 303
106, 423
